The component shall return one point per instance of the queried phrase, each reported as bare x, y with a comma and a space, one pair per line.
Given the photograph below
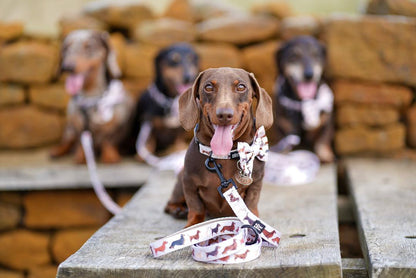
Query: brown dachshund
98, 102
227, 106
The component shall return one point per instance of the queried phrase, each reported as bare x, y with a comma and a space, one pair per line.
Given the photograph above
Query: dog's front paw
325, 153
179, 211
109, 154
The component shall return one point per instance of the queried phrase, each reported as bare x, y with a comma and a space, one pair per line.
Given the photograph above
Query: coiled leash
224, 240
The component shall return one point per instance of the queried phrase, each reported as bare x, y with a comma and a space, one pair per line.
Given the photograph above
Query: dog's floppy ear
112, 68
264, 110
189, 107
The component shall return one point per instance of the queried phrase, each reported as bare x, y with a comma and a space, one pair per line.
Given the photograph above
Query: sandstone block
411, 124
136, 86
214, 55
278, 9
238, 29
28, 126
28, 62
204, 10
10, 216
364, 139
180, 9
57, 209
118, 44
260, 60
11, 94
71, 23
21, 249
353, 115
67, 242
11, 274
397, 7
165, 31
300, 25
48, 271
139, 60
10, 30
372, 94
121, 14
9, 197
49, 96
372, 48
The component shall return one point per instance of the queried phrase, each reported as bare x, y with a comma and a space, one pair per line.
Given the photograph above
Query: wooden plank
354, 268
34, 170
66, 176
384, 194
306, 215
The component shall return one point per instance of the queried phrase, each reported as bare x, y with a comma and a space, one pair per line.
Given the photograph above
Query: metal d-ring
255, 232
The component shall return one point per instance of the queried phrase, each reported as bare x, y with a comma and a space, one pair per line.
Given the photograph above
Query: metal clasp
224, 183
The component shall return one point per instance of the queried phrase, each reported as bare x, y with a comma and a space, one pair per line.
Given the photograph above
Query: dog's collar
161, 99
206, 150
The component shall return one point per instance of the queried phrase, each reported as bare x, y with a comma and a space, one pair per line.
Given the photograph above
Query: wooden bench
306, 216
384, 198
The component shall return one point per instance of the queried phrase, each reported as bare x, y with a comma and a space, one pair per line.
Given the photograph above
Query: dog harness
231, 239
104, 103
311, 109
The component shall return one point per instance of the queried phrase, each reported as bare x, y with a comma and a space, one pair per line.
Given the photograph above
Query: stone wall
40, 229
371, 65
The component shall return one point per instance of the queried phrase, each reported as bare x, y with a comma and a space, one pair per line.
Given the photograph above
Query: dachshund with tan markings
98, 102
225, 106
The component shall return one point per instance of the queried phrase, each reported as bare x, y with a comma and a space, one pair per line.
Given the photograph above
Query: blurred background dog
303, 101
98, 100
157, 112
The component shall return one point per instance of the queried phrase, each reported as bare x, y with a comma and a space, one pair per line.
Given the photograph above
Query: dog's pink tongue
307, 90
74, 83
182, 88
222, 141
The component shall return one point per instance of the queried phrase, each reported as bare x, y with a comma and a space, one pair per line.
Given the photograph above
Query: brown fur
196, 185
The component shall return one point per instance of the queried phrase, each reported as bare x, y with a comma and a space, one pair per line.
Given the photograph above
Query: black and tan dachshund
157, 117
303, 101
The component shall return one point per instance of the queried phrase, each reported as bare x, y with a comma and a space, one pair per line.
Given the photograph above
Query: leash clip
217, 168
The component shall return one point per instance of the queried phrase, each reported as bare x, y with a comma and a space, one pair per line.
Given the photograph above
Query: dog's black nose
68, 68
225, 115
308, 73
187, 78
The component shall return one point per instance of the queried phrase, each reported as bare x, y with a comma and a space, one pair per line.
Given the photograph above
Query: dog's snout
68, 68
308, 73
187, 78
225, 115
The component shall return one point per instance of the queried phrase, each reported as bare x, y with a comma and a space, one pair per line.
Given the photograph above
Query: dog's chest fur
207, 182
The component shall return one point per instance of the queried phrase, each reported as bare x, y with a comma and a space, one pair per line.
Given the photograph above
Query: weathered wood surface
354, 268
305, 215
384, 194
35, 171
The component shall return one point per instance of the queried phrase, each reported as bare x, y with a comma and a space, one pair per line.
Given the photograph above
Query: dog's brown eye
209, 88
241, 87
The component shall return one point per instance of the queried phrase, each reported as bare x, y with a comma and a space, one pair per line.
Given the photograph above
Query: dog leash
113, 96
105, 199
223, 240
